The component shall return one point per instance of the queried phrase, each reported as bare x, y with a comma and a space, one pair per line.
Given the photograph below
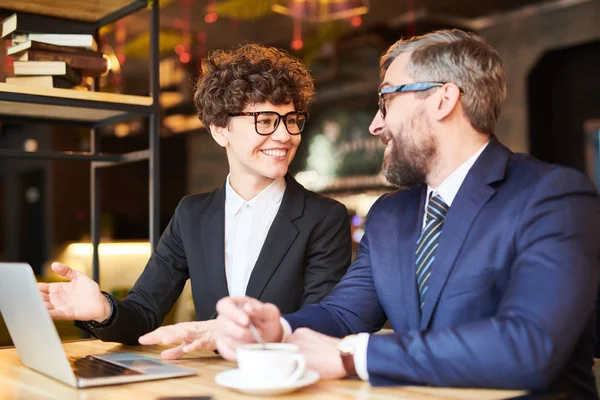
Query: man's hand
320, 351
191, 336
79, 299
233, 321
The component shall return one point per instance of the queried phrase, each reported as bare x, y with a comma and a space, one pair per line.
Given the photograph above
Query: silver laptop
38, 344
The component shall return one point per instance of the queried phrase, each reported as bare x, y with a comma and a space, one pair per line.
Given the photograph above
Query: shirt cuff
287, 329
361, 341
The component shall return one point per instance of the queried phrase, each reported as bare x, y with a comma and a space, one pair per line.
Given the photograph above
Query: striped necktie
428, 243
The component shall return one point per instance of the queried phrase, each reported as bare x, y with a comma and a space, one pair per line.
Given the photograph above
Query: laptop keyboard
90, 367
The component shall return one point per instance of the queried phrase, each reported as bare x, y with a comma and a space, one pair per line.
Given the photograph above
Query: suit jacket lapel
281, 235
212, 232
474, 192
408, 229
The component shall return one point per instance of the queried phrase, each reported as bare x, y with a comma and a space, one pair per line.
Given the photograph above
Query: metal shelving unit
19, 104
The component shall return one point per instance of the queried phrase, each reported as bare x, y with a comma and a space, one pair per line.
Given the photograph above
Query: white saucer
233, 379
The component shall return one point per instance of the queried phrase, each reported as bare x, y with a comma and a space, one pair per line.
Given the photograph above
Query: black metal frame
154, 162
67, 155
128, 9
130, 111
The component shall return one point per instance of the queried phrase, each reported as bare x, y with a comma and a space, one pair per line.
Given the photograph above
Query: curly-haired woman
261, 234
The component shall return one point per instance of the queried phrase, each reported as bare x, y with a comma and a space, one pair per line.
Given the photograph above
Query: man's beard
407, 165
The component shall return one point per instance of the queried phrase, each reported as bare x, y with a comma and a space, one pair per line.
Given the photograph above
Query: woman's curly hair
232, 79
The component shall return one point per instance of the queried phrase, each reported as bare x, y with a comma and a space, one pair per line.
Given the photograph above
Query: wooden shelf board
77, 94
46, 111
79, 10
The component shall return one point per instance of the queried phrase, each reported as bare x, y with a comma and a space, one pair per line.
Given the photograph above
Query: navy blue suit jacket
512, 292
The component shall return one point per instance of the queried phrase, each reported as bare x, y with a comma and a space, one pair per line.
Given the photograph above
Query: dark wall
70, 190
563, 92
34, 231
2, 219
31, 194
125, 191
19, 223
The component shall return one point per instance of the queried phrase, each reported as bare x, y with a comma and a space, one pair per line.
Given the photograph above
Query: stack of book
50, 59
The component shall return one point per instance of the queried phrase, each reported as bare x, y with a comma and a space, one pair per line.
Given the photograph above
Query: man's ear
219, 134
446, 101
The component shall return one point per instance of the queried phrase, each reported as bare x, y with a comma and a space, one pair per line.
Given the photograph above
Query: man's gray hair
461, 58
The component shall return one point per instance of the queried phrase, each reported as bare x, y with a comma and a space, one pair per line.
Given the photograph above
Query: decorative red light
211, 18
297, 44
185, 58
180, 48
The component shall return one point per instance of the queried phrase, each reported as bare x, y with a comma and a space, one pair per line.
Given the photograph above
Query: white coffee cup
271, 364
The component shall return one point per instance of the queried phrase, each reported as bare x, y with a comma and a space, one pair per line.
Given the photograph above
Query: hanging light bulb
356, 21
297, 42
183, 49
211, 15
120, 38
200, 48
180, 49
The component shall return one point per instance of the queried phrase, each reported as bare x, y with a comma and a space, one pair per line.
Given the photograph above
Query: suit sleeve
351, 307
328, 255
154, 293
548, 301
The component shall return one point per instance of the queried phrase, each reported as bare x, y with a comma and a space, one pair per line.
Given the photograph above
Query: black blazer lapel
471, 197
281, 235
212, 232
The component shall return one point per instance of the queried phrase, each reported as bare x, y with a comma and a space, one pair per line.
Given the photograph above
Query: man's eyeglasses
266, 122
409, 87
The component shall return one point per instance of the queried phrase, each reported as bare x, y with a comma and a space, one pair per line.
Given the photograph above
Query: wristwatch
346, 348
99, 325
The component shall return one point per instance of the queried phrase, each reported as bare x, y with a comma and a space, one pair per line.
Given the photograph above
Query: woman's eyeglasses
266, 122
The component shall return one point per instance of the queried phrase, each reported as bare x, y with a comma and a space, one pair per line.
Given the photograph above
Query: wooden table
19, 382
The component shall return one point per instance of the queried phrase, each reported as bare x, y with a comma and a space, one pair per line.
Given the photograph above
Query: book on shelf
31, 23
87, 65
54, 68
55, 81
15, 49
70, 40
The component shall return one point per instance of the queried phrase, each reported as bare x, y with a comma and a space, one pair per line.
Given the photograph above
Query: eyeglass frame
255, 114
407, 88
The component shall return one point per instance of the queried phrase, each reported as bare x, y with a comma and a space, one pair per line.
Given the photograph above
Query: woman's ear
219, 134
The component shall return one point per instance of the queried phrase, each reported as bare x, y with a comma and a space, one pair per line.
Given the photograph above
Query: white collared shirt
447, 191
247, 224
449, 188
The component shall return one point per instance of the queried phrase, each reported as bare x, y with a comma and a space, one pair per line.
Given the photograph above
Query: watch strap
107, 322
348, 362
